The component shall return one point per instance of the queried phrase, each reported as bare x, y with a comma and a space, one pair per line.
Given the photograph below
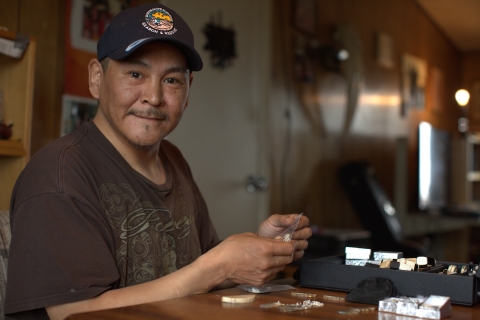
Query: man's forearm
241, 258
198, 277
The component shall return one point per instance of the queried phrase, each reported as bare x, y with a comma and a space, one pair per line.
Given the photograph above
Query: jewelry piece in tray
359, 257
382, 255
357, 253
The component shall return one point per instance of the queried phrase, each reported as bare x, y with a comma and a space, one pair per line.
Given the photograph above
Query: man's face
142, 99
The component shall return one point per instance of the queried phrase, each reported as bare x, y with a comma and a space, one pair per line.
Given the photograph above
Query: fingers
298, 255
303, 223
258, 278
281, 248
302, 245
284, 220
303, 233
249, 258
303, 230
276, 224
252, 257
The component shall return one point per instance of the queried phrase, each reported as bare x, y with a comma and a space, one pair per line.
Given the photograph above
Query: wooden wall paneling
281, 100
47, 28
377, 124
9, 14
471, 74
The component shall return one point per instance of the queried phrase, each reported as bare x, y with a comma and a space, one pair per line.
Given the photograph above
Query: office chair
375, 210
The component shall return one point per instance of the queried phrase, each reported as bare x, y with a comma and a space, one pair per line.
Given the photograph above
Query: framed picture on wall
305, 15
414, 80
75, 112
85, 21
88, 20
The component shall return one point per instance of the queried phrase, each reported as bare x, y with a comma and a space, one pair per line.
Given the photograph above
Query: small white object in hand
288, 233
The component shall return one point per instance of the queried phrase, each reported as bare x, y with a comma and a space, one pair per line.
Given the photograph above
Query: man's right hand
248, 258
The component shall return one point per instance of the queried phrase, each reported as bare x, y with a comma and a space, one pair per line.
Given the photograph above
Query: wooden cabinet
16, 85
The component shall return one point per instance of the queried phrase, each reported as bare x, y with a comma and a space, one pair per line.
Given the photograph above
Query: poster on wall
414, 80
85, 22
89, 18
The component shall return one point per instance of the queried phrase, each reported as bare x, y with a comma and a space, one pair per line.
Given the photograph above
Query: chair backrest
372, 205
5, 237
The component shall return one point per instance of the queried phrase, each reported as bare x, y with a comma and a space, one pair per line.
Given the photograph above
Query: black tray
331, 273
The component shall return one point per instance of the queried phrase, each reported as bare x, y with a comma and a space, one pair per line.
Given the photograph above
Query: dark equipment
375, 210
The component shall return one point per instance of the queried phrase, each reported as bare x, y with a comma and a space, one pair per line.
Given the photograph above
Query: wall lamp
462, 96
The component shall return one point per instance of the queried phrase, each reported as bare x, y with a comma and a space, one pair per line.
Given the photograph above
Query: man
110, 215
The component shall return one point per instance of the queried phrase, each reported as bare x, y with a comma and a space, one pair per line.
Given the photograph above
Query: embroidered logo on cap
159, 19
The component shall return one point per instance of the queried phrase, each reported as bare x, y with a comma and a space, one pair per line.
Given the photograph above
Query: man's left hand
276, 224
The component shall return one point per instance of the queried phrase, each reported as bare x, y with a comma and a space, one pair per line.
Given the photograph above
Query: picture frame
88, 20
75, 112
85, 21
414, 80
305, 16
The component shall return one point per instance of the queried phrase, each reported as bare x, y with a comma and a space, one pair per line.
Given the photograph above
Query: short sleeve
61, 251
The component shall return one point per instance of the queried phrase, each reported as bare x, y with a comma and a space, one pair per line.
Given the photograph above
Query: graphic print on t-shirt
149, 237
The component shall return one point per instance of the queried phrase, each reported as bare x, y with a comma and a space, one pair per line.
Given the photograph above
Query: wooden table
210, 306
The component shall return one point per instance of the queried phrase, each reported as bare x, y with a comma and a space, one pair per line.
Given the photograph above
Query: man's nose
153, 93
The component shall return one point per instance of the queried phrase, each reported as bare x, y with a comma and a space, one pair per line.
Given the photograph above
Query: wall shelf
16, 86
11, 148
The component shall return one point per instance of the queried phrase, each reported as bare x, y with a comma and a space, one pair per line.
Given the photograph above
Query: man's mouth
149, 114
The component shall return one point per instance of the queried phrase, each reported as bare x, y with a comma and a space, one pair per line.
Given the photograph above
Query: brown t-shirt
83, 222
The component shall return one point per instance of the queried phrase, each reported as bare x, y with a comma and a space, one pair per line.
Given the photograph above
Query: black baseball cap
134, 27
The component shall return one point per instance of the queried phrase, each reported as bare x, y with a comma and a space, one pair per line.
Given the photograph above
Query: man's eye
171, 80
135, 74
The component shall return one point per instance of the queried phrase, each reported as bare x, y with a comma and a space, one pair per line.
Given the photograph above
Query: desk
209, 306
